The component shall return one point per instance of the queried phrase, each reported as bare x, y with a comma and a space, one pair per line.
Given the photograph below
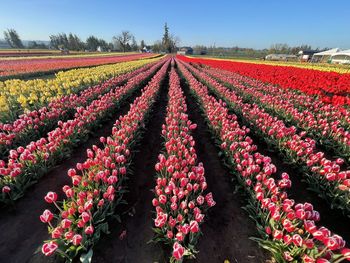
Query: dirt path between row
137, 222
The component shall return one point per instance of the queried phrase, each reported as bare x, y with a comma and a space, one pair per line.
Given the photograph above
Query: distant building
185, 51
146, 49
281, 57
306, 55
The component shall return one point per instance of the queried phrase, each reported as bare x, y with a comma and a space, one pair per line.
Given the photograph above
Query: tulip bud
6, 189
49, 248
50, 197
77, 239
89, 230
46, 217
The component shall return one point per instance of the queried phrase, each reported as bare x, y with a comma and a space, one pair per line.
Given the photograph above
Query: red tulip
85, 217
277, 234
346, 253
77, 239
49, 248
46, 217
297, 240
50, 197
179, 236
287, 256
200, 200
170, 234
56, 233
162, 199
194, 227
71, 172
66, 223
155, 202
6, 189
308, 259
161, 219
69, 235
89, 230
193, 126
178, 251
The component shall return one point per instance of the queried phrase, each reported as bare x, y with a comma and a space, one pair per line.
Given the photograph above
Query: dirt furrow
137, 220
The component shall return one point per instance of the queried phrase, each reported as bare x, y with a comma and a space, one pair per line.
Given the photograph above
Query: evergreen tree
166, 39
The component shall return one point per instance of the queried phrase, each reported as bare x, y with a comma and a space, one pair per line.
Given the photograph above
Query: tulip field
32, 66
161, 158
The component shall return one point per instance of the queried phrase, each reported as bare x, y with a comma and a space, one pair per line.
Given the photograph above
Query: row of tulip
52, 54
289, 230
179, 200
341, 69
97, 184
328, 124
323, 175
18, 96
330, 87
17, 67
301, 100
34, 124
26, 165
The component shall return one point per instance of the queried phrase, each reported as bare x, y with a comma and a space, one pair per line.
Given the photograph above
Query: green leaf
86, 257
37, 250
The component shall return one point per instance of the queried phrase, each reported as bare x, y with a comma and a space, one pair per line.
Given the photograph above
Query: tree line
124, 42
236, 51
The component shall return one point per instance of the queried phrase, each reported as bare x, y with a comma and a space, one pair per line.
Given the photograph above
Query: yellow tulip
20, 95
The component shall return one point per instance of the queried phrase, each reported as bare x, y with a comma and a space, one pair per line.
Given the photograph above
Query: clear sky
250, 23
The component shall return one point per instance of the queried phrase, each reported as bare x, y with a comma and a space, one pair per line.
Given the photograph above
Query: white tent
341, 57
327, 52
324, 55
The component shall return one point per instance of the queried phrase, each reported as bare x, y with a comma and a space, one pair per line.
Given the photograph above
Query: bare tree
175, 42
123, 40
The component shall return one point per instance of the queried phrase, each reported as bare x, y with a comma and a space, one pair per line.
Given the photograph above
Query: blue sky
250, 23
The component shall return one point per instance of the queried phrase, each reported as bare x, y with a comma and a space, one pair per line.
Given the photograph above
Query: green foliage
70, 42
12, 38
